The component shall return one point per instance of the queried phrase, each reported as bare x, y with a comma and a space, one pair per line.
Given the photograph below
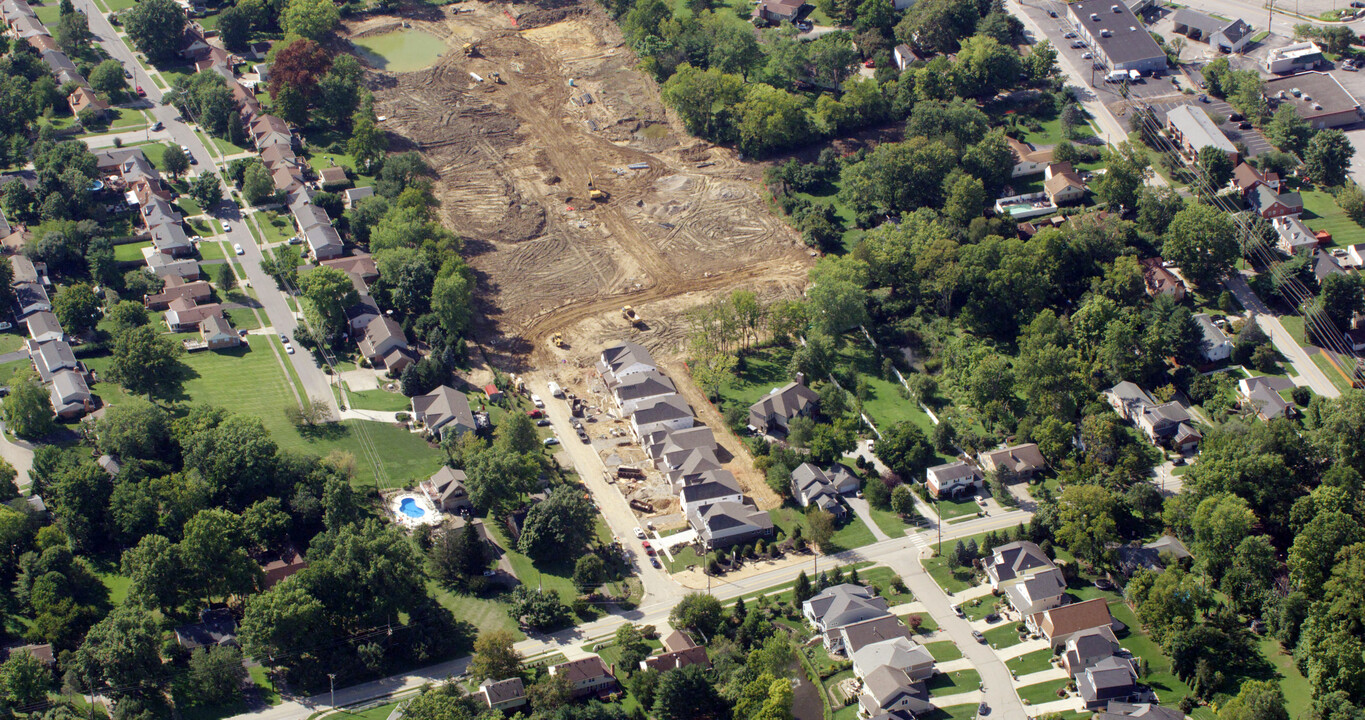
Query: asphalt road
272, 301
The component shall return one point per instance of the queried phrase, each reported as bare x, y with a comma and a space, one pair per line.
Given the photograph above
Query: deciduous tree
156, 27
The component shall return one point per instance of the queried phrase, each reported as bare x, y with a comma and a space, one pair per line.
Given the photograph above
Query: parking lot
1219, 112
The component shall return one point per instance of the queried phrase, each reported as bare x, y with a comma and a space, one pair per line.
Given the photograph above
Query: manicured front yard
851, 534
1043, 692
944, 650
1033, 662
978, 608
954, 682
1003, 636
381, 400
950, 579
131, 252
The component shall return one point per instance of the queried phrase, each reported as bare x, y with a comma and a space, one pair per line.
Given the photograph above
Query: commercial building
1293, 58
1318, 98
1226, 35
1118, 37
1193, 130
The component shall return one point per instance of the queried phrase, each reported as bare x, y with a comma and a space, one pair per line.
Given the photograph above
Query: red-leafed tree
300, 65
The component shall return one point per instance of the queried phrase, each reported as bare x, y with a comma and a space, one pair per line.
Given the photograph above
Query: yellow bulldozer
631, 316
471, 50
557, 340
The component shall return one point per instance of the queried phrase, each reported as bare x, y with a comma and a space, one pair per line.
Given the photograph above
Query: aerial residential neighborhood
648, 360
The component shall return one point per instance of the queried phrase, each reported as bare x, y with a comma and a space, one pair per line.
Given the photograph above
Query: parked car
1078, 44
127, 74
655, 562
869, 63
1203, 98
535, 400
543, 422
550, 441
583, 436
1052, 13
1350, 68
958, 609
284, 338
534, 413
1069, 36
237, 248
977, 636
1087, 55
141, 92
289, 349
804, 25
639, 533
1244, 125
992, 618
158, 126
226, 227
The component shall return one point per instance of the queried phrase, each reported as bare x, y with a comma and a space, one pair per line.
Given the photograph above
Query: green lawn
954, 682
48, 15
226, 147
889, 522
211, 250
131, 252
852, 534
277, 228
952, 509
1043, 692
944, 650
381, 400
1051, 132
952, 580
1297, 691
123, 118
884, 402
979, 608
379, 712
544, 576
10, 342
118, 586
1003, 636
8, 370
269, 695
249, 381
829, 195
1033, 662
764, 370
1321, 212
483, 613
1168, 687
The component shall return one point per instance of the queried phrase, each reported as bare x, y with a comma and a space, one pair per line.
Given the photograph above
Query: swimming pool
408, 506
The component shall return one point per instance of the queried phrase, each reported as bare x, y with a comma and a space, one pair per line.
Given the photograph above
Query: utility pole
331, 682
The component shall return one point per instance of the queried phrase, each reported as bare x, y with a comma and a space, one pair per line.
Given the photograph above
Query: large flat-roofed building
1293, 58
1318, 97
1117, 36
1193, 130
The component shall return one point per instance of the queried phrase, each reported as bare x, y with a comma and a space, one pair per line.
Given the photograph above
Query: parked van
1116, 76
555, 389
1134, 75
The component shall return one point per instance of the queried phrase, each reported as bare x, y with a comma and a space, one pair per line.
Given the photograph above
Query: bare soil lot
515, 159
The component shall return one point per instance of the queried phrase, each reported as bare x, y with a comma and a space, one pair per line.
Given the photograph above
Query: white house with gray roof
952, 478
900, 653
636, 387
622, 359
711, 487
722, 524
1217, 345
667, 412
841, 605
888, 690
444, 409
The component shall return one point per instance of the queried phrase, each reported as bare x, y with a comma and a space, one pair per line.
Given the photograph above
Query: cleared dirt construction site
530, 107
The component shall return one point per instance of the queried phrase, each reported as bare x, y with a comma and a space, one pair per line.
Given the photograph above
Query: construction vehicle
557, 340
593, 193
633, 317
471, 50
495, 77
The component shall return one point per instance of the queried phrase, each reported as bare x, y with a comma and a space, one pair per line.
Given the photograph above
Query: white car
227, 227
639, 534
550, 441
289, 349
238, 247
5, 325
1087, 55
535, 400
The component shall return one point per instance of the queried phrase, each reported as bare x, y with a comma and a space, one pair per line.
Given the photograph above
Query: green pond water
401, 50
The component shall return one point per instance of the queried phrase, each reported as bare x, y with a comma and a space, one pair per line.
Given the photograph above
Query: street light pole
331, 682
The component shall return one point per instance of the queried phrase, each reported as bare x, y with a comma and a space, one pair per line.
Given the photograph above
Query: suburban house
642, 386
42, 652
1022, 461
903, 54
359, 265
1088, 647
901, 654
70, 396
856, 636
50, 357
679, 652
1012, 561
813, 486
503, 694
692, 466
888, 690
714, 486
778, 11
353, 196
1165, 424
43, 326
218, 334
780, 405
1112, 678
1228, 36
1270, 204
1355, 337
444, 409
282, 566
196, 291
25, 270
587, 676
1035, 593
1325, 265
83, 98
185, 315
1153, 556
1246, 178
1028, 159
669, 412
333, 177
1317, 97
1217, 345
1293, 236
446, 490
623, 359
385, 344
1062, 184
722, 524
952, 479
215, 627
29, 298
668, 447
1143, 711
1262, 394
1059, 624
1192, 131
165, 266
840, 605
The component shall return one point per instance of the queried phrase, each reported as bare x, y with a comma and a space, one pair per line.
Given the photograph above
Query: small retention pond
400, 51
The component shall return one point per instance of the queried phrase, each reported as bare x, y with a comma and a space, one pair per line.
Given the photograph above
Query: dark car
583, 436
1052, 13
543, 422
1244, 125
992, 618
977, 636
983, 708
127, 75
655, 562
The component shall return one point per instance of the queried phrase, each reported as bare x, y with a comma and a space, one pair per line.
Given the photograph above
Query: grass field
889, 522
532, 575
381, 400
7, 370
764, 371
950, 579
1003, 636
884, 402
1297, 692
277, 227
1321, 212
131, 252
852, 534
979, 608
1051, 132
483, 613
1030, 663
951, 509
10, 342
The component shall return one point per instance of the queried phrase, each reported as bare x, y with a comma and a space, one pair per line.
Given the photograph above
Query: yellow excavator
595, 194
557, 340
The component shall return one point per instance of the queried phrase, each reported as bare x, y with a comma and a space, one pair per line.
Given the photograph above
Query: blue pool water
408, 506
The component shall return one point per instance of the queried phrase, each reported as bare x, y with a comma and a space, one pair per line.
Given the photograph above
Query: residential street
898, 553
273, 303
1310, 375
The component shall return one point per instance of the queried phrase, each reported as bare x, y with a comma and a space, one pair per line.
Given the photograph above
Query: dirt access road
515, 160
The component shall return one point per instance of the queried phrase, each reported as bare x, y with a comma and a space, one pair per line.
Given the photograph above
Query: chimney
800, 378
